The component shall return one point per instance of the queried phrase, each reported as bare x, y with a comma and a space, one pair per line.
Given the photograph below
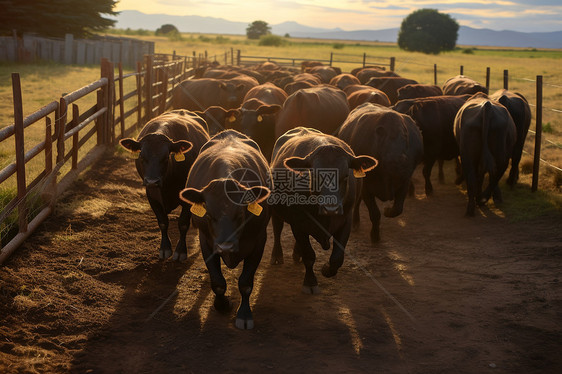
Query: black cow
485, 133
396, 142
435, 117
163, 164
324, 192
226, 185
518, 107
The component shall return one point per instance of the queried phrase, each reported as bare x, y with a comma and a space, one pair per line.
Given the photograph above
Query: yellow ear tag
232, 118
178, 156
260, 118
198, 209
359, 173
255, 208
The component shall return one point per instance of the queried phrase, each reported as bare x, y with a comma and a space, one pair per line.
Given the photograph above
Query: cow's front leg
244, 318
399, 197
374, 215
336, 258
277, 253
310, 283
163, 222
183, 226
218, 283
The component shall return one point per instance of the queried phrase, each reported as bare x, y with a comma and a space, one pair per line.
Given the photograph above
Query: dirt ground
441, 293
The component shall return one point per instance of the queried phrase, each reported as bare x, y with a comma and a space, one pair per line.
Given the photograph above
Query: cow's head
232, 94
156, 152
226, 206
218, 118
330, 167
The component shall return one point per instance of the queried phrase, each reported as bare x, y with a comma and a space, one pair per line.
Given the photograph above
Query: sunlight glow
347, 318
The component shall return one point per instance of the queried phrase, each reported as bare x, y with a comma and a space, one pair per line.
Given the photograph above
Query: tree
166, 29
428, 31
257, 29
56, 17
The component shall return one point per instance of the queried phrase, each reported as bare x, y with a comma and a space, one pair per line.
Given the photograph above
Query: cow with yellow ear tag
227, 188
164, 151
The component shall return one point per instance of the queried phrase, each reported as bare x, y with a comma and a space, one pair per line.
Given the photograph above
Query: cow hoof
310, 290
181, 257
276, 260
375, 237
244, 324
222, 304
164, 254
328, 272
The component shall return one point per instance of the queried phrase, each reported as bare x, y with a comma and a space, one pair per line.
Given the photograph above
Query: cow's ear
362, 164
239, 87
130, 144
269, 109
260, 193
295, 163
181, 146
192, 196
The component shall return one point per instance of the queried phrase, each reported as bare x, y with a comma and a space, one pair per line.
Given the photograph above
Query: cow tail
488, 164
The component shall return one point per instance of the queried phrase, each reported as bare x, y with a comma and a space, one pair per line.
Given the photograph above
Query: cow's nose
152, 182
225, 247
330, 210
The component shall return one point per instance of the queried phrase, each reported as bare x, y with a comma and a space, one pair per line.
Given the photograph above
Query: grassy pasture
45, 82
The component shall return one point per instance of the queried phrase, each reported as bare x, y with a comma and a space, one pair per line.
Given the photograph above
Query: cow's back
323, 108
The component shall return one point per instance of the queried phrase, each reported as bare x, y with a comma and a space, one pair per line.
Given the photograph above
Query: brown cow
414, 91
367, 95
485, 134
365, 74
225, 186
199, 94
395, 141
520, 112
163, 164
325, 73
343, 80
462, 85
390, 85
323, 209
322, 107
293, 87
217, 118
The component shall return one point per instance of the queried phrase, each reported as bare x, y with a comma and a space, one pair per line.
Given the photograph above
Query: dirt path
440, 294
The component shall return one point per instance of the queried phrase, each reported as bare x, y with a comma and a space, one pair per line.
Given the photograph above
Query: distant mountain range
467, 35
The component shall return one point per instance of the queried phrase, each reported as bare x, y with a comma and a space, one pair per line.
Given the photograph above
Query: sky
517, 15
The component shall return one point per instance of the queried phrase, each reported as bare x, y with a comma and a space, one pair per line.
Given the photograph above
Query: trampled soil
441, 293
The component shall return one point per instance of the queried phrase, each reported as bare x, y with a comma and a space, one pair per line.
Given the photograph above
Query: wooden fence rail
74, 131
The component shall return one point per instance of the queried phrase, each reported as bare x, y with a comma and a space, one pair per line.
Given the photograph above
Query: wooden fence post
121, 101
74, 123
435, 74
392, 63
488, 78
163, 89
20, 152
231, 56
462, 70
139, 94
364, 58
238, 62
538, 136
148, 87
60, 125
505, 79
331, 58
107, 122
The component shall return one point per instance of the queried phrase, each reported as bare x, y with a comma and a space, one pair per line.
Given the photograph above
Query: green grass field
45, 82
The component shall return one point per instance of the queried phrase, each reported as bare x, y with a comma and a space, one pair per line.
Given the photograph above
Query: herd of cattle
243, 145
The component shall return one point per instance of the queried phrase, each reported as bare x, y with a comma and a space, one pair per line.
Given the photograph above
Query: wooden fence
68, 128
32, 48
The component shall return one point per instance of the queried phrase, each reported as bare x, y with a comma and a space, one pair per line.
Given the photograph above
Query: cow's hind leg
183, 225
310, 283
336, 258
277, 253
398, 204
244, 318
426, 171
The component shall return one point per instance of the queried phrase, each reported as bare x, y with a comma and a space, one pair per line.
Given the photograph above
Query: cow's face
258, 123
232, 94
154, 156
225, 206
330, 175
